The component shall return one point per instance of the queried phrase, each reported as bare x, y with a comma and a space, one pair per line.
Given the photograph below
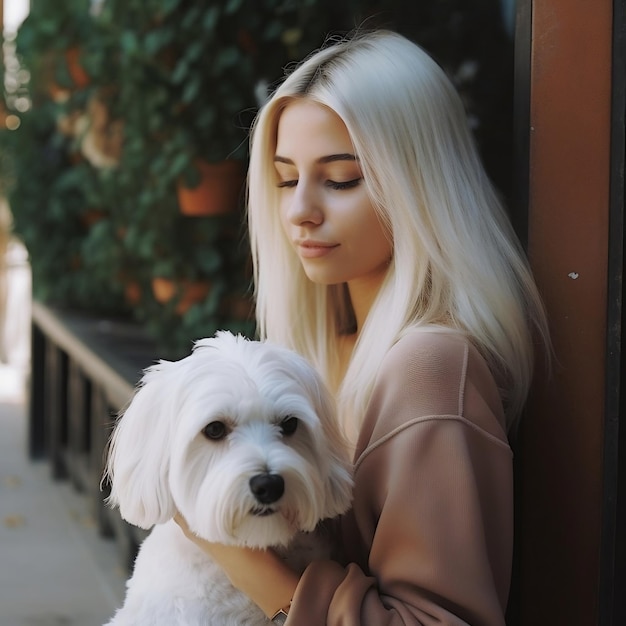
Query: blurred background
123, 151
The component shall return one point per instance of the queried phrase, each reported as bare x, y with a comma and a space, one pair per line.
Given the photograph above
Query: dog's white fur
160, 462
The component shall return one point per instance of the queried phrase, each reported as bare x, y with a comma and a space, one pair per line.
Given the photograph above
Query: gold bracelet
280, 617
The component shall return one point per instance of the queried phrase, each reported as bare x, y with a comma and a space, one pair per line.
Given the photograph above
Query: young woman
383, 255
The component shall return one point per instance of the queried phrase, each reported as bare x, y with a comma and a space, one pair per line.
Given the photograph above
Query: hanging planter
185, 292
77, 73
58, 94
91, 217
217, 193
238, 307
132, 293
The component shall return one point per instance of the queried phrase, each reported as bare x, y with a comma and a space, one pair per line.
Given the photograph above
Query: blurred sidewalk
54, 568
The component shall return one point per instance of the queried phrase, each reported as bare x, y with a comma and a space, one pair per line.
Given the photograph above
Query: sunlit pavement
54, 568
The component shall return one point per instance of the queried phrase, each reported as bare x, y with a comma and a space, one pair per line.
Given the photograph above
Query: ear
139, 450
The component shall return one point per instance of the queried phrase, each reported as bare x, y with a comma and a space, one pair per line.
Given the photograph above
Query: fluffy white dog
240, 437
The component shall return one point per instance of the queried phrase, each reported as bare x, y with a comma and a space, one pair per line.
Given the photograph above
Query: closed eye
287, 183
348, 184
333, 184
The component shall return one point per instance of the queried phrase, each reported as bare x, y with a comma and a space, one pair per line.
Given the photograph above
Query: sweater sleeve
429, 540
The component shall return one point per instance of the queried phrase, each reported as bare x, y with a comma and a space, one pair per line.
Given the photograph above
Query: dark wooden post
36, 422
570, 507
56, 388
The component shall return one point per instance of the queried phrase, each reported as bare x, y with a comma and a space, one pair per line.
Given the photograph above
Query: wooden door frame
612, 603
569, 112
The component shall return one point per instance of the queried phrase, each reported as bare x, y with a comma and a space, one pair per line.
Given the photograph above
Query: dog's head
240, 436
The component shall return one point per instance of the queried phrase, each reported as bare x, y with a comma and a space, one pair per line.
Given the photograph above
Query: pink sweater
430, 537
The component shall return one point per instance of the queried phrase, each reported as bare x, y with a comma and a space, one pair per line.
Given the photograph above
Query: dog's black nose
267, 488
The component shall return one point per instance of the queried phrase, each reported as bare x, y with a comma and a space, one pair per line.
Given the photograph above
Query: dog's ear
139, 451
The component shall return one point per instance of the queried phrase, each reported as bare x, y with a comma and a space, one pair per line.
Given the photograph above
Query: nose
304, 206
267, 488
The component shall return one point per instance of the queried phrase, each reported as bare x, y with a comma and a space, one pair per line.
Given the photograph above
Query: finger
180, 520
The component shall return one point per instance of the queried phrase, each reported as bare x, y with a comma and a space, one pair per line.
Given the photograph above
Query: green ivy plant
184, 78
47, 196
47, 34
188, 77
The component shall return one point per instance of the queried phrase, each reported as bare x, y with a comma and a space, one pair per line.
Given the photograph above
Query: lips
314, 249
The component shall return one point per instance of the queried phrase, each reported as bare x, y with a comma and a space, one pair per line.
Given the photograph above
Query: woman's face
325, 209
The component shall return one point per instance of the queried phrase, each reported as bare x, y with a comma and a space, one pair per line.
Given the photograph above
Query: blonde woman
383, 255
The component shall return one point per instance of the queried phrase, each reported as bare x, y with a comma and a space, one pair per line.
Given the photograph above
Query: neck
362, 295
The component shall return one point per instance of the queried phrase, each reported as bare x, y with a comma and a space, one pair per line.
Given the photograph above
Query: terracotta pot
91, 217
187, 292
57, 93
132, 287
217, 193
77, 73
238, 307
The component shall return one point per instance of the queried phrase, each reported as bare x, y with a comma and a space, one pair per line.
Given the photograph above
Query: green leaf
179, 75
180, 162
168, 6
191, 17
155, 41
226, 58
232, 6
209, 260
209, 21
191, 90
194, 50
129, 43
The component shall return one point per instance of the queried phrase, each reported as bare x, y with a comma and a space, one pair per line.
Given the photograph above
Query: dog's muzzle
267, 489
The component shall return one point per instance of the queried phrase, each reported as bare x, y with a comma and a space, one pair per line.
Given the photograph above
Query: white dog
240, 437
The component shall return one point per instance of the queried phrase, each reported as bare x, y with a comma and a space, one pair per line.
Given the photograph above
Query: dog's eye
289, 426
215, 431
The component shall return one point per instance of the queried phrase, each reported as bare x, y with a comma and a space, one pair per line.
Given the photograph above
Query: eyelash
349, 184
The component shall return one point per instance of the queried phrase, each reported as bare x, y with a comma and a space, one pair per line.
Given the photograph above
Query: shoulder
433, 374
426, 356
429, 365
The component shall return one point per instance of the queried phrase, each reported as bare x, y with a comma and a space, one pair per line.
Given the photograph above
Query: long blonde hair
456, 261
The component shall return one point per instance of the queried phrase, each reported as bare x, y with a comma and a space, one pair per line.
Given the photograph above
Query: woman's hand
250, 570
182, 522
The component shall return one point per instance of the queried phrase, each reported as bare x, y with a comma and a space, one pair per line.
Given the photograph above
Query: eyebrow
325, 159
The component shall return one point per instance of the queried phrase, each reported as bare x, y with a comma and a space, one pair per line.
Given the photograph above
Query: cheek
284, 206
380, 240
282, 213
370, 238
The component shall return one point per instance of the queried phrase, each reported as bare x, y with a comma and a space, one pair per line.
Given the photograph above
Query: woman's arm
430, 536
260, 574
429, 540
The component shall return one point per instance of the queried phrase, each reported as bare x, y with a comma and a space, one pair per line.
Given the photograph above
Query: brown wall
561, 441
